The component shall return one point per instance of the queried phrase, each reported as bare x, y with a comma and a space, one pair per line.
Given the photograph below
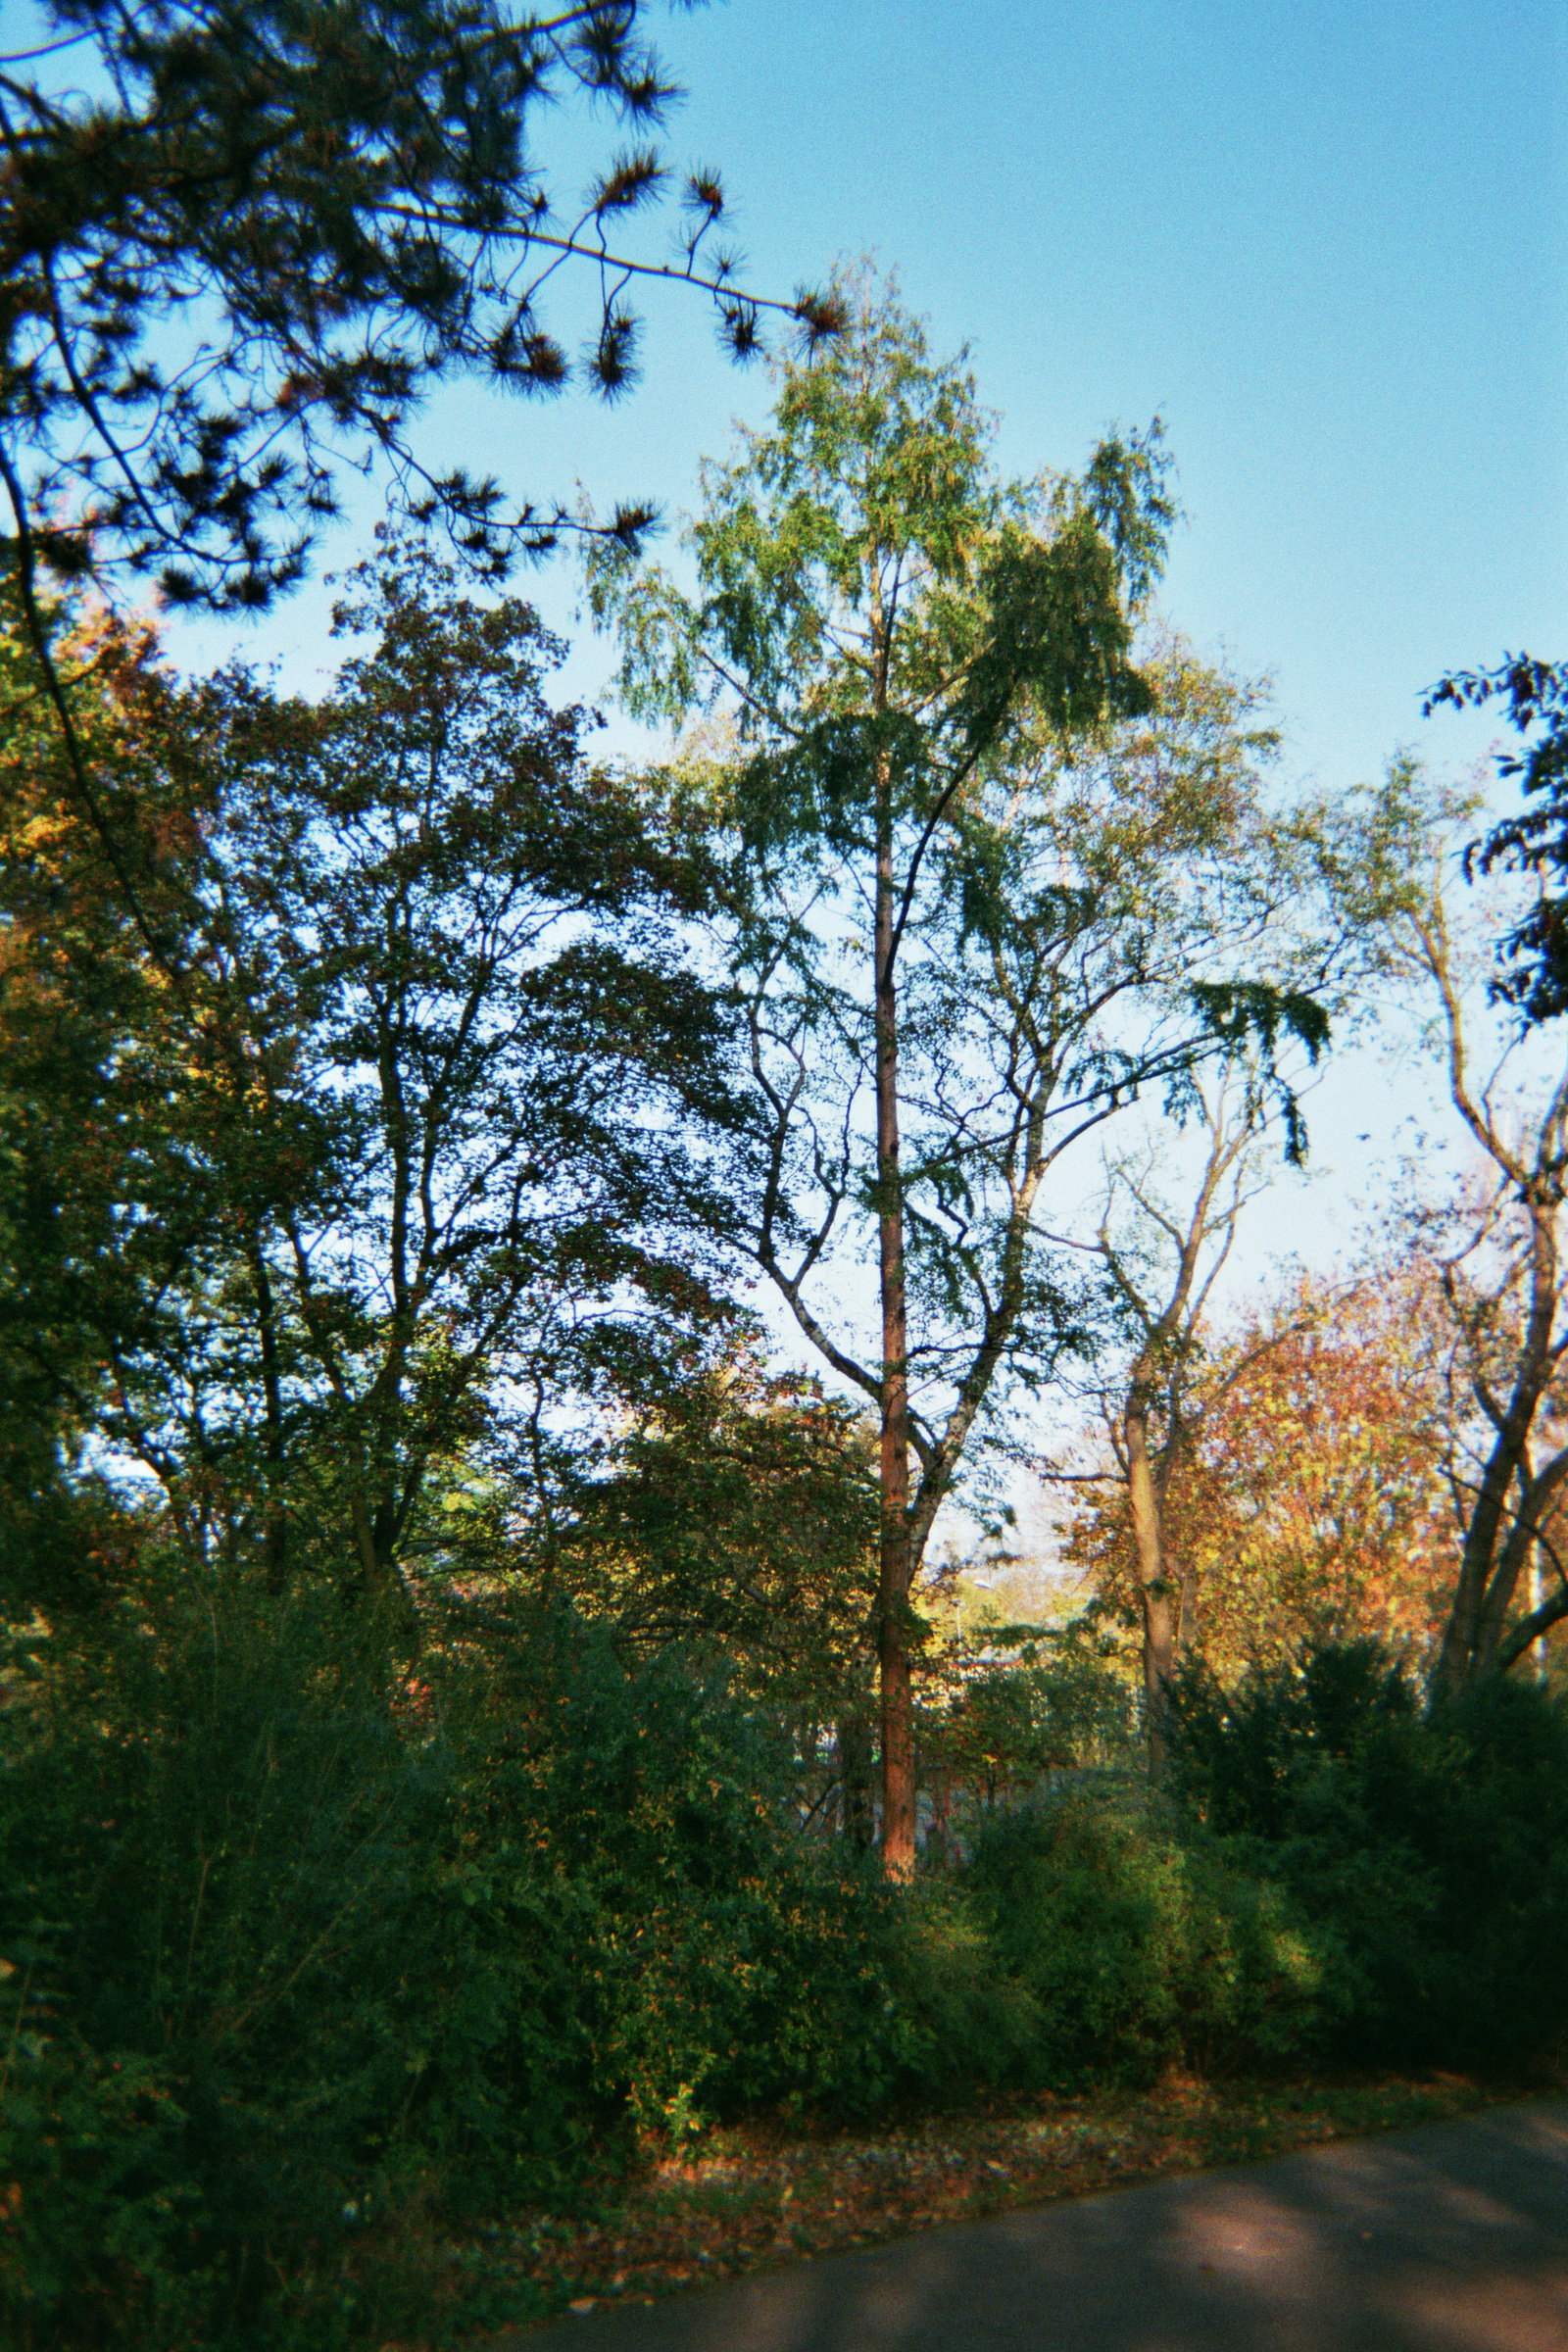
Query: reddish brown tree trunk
898, 1725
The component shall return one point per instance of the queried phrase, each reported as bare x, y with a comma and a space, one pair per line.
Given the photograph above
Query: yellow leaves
1312, 1500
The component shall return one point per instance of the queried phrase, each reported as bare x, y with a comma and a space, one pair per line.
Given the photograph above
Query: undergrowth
318, 1965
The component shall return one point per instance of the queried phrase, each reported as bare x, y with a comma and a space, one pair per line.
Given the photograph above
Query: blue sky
1328, 243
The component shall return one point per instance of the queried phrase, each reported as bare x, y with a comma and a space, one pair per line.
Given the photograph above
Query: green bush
955, 2021
1242, 1757
296, 1940
224, 1877
1427, 1850
303, 1952
726, 1959
1138, 1950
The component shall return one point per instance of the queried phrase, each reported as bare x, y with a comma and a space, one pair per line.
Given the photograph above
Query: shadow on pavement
1453, 2237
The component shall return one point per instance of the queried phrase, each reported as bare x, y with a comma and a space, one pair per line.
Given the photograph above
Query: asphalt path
1453, 2237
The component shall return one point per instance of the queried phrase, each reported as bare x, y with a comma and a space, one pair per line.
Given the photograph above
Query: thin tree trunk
1495, 1543
893, 1597
365, 1543
1153, 1595
274, 1519
1168, 1611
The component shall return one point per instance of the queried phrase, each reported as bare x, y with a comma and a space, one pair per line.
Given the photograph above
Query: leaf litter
754, 2196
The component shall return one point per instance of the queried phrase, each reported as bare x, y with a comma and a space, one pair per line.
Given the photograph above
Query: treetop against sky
1294, 234
1297, 234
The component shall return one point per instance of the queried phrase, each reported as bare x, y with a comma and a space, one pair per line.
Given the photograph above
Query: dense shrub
1138, 1949
300, 1946
293, 1939
1242, 1756
1427, 1850
216, 1873
726, 1959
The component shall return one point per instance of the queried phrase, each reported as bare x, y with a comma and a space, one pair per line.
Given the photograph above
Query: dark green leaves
421, 1101
1534, 954
282, 226
1127, 492
1236, 1012
1055, 638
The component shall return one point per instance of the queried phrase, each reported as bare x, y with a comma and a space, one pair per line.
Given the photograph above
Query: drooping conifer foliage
1059, 861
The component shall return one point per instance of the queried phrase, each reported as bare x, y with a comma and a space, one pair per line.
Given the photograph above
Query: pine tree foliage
242, 240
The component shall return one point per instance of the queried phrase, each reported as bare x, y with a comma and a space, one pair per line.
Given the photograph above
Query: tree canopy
1058, 859
403, 1107
240, 244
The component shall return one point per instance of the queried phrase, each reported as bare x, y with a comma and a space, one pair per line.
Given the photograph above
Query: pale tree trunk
1169, 1334
1498, 1538
1159, 1619
1512, 1500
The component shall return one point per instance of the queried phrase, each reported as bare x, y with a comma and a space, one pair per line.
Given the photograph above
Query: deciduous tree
425, 1097
736, 1517
1163, 1263
1310, 1499
992, 880
242, 240
1500, 1243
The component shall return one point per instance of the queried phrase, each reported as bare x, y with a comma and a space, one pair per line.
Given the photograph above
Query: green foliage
308, 1942
1242, 1756
1023, 1701
286, 1201
738, 1518
1533, 954
937, 729
955, 2021
239, 243
1140, 1949
728, 1959
419, 1808
1430, 1849
296, 1937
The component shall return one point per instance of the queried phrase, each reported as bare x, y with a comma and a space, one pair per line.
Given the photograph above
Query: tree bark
274, 1538
1168, 1607
1498, 1541
365, 1543
1504, 1531
1154, 1591
893, 1594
